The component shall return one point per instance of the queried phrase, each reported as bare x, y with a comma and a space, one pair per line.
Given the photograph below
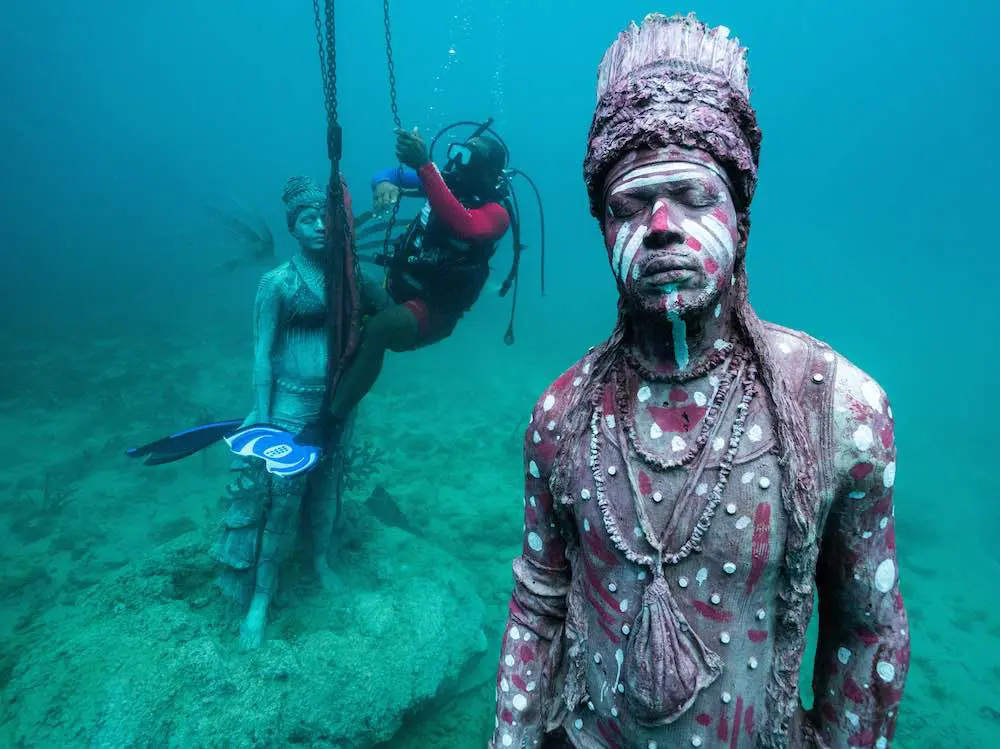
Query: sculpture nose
663, 230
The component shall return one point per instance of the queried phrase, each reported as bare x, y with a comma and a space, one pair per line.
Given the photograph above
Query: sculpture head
671, 230
671, 164
305, 205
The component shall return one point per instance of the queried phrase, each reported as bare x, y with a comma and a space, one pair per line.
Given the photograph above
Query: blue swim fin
180, 445
281, 452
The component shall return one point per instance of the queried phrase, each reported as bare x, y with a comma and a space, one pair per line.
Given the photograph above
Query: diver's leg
275, 543
397, 328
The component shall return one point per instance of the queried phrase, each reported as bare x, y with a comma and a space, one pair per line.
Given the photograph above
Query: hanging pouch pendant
666, 663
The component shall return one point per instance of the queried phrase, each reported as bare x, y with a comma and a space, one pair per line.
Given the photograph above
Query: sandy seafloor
451, 438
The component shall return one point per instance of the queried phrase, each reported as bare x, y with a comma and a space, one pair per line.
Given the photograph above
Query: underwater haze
141, 140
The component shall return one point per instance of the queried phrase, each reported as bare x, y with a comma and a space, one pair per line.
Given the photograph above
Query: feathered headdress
673, 80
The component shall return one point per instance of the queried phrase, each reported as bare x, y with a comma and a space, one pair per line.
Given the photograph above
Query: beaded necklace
739, 368
626, 407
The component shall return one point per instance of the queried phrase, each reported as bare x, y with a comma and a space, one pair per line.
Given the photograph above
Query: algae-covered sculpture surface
691, 482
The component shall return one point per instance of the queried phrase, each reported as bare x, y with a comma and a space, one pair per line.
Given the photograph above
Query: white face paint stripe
630, 249
721, 238
665, 167
670, 167
720, 231
657, 179
708, 240
620, 240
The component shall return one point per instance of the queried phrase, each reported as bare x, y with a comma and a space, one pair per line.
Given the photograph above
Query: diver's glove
314, 434
321, 433
411, 150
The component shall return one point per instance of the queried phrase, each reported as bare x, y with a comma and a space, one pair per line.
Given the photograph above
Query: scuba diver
438, 270
441, 262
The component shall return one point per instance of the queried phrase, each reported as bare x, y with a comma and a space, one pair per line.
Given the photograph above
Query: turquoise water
873, 230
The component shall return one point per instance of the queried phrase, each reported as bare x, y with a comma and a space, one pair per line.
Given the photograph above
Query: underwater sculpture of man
694, 479
289, 376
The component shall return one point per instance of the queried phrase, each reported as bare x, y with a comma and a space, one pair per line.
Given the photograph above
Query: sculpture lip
669, 264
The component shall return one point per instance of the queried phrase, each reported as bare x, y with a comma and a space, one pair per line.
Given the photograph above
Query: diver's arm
267, 309
406, 179
487, 223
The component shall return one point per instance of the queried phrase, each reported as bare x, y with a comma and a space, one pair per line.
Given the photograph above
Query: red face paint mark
599, 550
735, 742
712, 612
761, 545
601, 590
526, 653
604, 727
883, 505
829, 713
678, 395
711, 266
693, 244
853, 692
518, 682
645, 484
859, 411
861, 470
507, 717
704, 719
609, 401
757, 636
545, 450
867, 636
723, 730
862, 738
677, 420
890, 537
563, 381
886, 435
748, 721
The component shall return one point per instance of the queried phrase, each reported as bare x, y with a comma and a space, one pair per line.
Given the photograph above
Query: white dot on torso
863, 437
885, 576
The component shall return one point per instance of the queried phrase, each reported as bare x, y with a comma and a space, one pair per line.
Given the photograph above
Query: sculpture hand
386, 195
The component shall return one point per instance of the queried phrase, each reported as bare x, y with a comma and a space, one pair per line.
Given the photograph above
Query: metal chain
331, 60
392, 66
399, 124
320, 47
340, 316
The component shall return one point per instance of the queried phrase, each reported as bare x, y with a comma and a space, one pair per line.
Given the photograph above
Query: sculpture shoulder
277, 281
863, 436
549, 412
863, 425
554, 401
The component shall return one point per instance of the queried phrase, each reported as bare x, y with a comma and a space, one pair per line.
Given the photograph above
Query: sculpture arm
863, 653
267, 312
537, 608
489, 222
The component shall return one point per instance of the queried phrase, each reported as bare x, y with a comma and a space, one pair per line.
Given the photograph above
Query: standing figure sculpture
692, 481
265, 512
